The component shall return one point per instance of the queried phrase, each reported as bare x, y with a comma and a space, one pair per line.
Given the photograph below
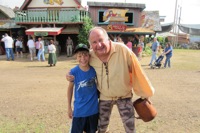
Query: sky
189, 8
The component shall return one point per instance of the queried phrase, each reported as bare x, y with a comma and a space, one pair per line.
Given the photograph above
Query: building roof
166, 27
7, 11
112, 4
192, 29
27, 2
194, 26
9, 25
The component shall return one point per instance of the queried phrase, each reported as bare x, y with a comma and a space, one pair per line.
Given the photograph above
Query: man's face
99, 43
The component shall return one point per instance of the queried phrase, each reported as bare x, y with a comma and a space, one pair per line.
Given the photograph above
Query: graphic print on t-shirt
86, 83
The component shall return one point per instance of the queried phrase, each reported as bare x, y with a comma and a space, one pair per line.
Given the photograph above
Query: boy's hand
69, 113
69, 77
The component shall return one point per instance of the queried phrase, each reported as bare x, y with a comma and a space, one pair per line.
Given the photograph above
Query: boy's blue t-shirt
85, 92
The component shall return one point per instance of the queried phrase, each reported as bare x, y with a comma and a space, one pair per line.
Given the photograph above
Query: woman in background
168, 53
119, 39
52, 54
129, 44
140, 47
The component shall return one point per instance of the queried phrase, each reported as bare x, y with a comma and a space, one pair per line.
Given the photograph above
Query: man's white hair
99, 28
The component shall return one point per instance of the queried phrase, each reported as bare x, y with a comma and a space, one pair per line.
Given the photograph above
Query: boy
85, 113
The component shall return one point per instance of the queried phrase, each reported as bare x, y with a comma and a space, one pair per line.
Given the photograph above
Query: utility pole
179, 20
174, 25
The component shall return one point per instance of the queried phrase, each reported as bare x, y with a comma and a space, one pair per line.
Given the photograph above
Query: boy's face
83, 58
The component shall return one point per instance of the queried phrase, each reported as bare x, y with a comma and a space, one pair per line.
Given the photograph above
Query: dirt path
33, 96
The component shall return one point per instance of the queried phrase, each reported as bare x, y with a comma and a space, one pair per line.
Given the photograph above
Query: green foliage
147, 51
166, 39
160, 39
84, 31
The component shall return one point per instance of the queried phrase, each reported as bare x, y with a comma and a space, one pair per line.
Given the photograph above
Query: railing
56, 16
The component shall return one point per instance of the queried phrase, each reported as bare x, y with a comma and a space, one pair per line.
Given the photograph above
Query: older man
154, 48
8, 41
118, 72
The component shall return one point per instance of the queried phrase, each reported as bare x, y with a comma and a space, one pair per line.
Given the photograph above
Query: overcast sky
190, 9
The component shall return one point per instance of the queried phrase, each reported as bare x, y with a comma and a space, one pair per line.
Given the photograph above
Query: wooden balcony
50, 16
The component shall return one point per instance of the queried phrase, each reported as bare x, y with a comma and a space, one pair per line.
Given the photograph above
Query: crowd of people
36, 49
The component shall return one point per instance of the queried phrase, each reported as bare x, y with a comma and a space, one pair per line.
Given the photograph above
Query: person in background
37, 46
8, 42
140, 47
41, 49
106, 56
52, 54
115, 37
168, 53
119, 39
31, 47
19, 47
69, 46
155, 48
135, 40
129, 44
84, 115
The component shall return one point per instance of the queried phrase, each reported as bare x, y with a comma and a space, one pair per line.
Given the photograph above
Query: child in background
84, 115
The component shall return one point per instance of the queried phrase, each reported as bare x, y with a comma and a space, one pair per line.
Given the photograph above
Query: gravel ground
33, 96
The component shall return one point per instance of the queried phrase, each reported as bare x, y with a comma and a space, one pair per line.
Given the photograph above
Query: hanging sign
41, 33
115, 15
119, 27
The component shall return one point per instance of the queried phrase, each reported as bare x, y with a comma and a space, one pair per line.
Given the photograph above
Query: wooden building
127, 20
7, 25
51, 19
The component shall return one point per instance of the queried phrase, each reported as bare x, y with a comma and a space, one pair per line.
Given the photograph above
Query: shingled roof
123, 5
7, 11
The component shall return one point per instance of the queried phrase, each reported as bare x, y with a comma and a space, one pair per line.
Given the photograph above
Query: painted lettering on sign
118, 27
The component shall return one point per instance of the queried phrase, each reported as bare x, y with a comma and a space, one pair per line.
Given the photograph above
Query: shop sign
41, 33
119, 27
115, 15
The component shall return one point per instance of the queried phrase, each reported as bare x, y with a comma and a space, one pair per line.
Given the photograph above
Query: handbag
145, 110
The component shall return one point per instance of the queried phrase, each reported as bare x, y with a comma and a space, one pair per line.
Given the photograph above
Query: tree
84, 31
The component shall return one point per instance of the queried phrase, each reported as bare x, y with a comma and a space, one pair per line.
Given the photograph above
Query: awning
44, 31
70, 30
137, 30
165, 34
190, 29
